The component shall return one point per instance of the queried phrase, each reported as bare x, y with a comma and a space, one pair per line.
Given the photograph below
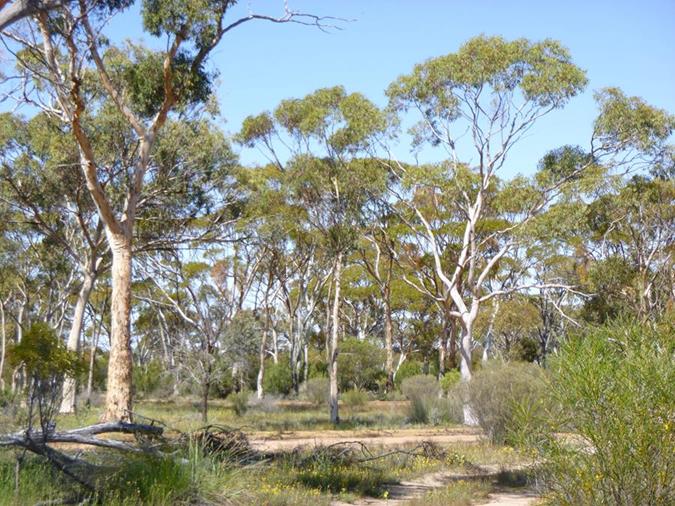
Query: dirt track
288, 441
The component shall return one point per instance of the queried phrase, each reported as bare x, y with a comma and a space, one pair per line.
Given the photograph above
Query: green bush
426, 404
614, 389
497, 392
449, 381
277, 378
360, 363
408, 368
354, 398
239, 401
315, 390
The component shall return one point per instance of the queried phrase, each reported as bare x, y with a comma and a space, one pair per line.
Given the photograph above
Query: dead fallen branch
83, 472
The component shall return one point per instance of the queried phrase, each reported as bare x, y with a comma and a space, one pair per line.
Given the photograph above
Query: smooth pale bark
465, 364
260, 392
3, 344
68, 404
388, 343
119, 389
335, 328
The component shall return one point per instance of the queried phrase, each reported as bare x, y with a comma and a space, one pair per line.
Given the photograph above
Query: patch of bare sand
287, 441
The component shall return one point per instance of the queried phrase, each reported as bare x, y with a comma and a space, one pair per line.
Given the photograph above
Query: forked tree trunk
335, 328
118, 395
70, 383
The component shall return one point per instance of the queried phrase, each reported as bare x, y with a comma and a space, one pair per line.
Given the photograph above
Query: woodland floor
299, 428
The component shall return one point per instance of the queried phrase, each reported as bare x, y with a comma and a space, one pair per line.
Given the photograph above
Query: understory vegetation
344, 298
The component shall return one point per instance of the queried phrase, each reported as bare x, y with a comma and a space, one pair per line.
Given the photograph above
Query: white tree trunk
335, 327
70, 383
465, 364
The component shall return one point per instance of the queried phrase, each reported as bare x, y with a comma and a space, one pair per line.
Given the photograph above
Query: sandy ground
405, 491
400, 437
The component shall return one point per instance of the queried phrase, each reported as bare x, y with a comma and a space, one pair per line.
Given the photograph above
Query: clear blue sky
624, 43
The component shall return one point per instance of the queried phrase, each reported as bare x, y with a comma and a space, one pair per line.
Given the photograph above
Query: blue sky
624, 43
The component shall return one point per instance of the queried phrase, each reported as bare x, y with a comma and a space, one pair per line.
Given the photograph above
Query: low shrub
613, 388
497, 392
239, 402
277, 379
420, 385
354, 398
426, 404
315, 390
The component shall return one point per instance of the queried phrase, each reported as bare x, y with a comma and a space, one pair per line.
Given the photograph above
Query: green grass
311, 478
185, 416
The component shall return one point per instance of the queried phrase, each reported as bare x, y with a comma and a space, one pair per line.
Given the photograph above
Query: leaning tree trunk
118, 396
335, 327
70, 383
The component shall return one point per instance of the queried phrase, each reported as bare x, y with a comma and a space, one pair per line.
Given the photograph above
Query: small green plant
354, 398
426, 403
239, 401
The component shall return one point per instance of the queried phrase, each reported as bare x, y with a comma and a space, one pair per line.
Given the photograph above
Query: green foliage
542, 72
360, 363
614, 387
277, 378
408, 368
149, 378
525, 349
496, 392
43, 354
449, 380
239, 401
315, 390
629, 122
354, 398
141, 73
150, 480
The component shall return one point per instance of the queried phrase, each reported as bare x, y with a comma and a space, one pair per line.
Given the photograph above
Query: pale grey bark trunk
388, 343
3, 344
465, 350
68, 404
260, 392
335, 328
119, 388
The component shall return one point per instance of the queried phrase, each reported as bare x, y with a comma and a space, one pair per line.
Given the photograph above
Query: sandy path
407, 490
400, 437
510, 499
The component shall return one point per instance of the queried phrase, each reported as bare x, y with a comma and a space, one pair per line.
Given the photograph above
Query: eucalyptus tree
632, 232
495, 91
37, 180
316, 142
70, 69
